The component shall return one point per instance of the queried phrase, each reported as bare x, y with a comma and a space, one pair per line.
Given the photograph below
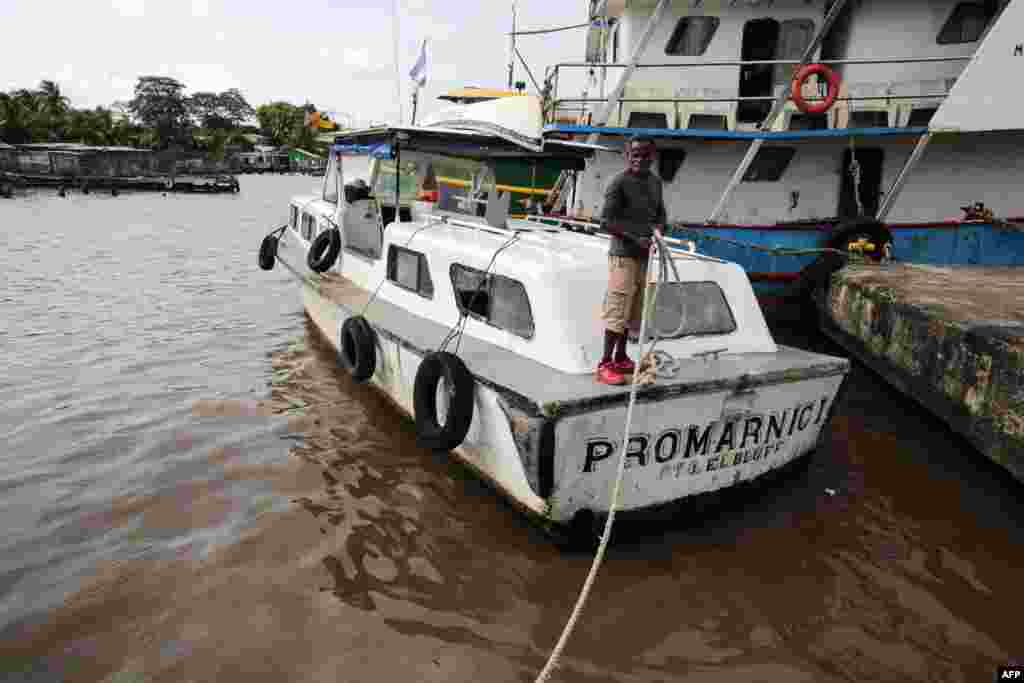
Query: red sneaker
608, 374
624, 366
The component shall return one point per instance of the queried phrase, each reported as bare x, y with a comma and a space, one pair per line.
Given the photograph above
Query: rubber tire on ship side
268, 252
324, 251
358, 346
430, 433
849, 232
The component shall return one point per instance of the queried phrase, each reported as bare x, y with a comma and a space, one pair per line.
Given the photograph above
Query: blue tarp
379, 151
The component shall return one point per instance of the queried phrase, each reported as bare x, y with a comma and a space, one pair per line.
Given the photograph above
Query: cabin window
869, 119
615, 44
408, 269
769, 164
702, 306
669, 162
966, 23
919, 118
331, 181
308, 227
647, 119
794, 37
497, 300
384, 183
691, 36
293, 219
708, 122
469, 187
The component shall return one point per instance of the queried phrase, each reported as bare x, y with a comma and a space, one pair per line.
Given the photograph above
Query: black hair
640, 140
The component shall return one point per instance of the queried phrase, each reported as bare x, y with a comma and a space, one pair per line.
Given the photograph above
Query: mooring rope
552, 662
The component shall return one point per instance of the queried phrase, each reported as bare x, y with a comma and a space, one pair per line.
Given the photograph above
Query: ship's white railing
556, 107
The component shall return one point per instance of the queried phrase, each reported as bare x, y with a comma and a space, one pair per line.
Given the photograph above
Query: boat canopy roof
473, 93
380, 142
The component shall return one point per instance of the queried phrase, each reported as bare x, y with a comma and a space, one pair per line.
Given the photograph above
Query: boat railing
680, 247
558, 109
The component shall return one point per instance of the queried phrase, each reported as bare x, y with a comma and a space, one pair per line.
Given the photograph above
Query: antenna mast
512, 47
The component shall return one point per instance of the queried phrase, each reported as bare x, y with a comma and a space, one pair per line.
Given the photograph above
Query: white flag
419, 69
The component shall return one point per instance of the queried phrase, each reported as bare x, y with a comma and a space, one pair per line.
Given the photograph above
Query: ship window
691, 36
769, 164
869, 119
293, 219
921, 117
669, 162
794, 37
308, 225
701, 304
647, 119
331, 181
966, 23
408, 269
497, 300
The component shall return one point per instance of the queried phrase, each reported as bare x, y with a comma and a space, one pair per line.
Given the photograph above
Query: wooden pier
951, 338
83, 168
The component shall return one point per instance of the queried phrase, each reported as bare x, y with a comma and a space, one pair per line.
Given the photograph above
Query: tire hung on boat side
459, 383
268, 252
358, 348
850, 232
324, 251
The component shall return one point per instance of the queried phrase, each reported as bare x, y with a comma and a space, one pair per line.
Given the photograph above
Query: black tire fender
324, 251
268, 252
358, 348
459, 382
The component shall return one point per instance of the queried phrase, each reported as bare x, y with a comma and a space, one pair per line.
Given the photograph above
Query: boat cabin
533, 289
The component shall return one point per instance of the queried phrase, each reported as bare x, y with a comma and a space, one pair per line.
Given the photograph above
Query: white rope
552, 662
855, 173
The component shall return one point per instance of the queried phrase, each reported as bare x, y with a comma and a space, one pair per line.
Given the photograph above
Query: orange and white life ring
802, 75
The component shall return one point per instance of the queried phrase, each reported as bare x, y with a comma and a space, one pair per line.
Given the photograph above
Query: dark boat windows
967, 22
497, 300
766, 40
408, 269
331, 182
691, 36
701, 304
293, 219
769, 164
308, 227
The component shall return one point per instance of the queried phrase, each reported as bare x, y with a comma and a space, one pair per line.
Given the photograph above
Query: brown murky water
310, 539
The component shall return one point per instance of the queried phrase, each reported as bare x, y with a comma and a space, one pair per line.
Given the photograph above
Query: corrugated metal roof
76, 147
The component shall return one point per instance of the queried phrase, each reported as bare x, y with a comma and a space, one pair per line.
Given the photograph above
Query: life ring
268, 252
358, 348
431, 433
324, 251
802, 75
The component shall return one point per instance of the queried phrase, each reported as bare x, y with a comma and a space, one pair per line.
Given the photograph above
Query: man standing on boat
633, 210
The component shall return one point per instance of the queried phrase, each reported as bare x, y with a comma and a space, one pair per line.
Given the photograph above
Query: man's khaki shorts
624, 300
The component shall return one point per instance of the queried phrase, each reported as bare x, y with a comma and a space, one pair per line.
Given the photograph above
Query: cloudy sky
339, 54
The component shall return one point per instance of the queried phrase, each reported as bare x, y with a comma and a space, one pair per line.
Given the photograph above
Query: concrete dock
950, 338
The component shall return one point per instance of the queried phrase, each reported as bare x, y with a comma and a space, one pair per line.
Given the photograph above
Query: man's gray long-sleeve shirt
633, 203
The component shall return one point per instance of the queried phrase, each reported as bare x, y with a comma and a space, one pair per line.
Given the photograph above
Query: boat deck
542, 385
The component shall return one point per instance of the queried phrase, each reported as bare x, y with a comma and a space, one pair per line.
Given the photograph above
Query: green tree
234, 108
160, 105
279, 121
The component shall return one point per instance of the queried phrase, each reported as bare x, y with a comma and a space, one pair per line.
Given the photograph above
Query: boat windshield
384, 183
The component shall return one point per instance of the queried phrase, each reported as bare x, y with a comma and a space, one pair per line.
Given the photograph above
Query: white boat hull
554, 462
